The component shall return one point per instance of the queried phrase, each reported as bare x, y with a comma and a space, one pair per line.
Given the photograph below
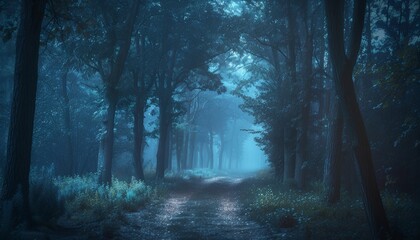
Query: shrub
45, 202
92, 201
308, 212
196, 173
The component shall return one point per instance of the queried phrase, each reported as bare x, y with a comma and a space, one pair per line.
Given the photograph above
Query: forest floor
230, 206
196, 208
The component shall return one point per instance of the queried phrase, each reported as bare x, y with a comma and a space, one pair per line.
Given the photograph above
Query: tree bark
106, 171
201, 154
221, 151
279, 167
69, 157
332, 165
191, 153
179, 142
184, 156
289, 153
343, 69
161, 156
211, 158
100, 165
290, 126
139, 136
302, 137
19, 144
168, 152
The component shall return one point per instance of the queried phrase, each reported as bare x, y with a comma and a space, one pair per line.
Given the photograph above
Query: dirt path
199, 209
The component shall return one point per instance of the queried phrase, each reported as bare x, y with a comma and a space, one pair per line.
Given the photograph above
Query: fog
218, 119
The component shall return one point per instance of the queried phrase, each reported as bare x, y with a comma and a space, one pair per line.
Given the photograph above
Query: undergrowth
196, 173
98, 209
305, 214
92, 201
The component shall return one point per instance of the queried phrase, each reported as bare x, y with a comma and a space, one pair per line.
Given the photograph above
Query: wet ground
196, 209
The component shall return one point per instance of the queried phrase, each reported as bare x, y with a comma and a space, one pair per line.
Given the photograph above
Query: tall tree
111, 82
332, 164
290, 127
18, 162
142, 86
70, 164
343, 63
184, 58
304, 121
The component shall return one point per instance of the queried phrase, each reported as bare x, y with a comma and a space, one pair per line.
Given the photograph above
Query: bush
197, 173
92, 201
46, 204
308, 212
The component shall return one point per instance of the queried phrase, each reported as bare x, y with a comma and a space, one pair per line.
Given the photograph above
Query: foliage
92, 201
308, 213
196, 173
46, 205
45, 201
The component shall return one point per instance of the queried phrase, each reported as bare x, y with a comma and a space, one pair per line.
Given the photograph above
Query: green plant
91, 201
46, 204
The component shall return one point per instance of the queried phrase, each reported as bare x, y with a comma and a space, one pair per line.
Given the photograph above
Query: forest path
196, 209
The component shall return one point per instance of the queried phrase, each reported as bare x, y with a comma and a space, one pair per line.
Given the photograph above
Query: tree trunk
232, 146
111, 92
106, 172
100, 165
280, 153
179, 142
231, 156
211, 158
19, 144
289, 152
70, 166
201, 153
161, 156
192, 149
184, 156
221, 151
168, 152
290, 128
364, 83
332, 163
343, 69
302, 138
139, 136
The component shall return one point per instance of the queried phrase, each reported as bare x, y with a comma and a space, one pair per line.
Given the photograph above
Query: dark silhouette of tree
186, 50
343, 63
19, 145
332, 164
111, 92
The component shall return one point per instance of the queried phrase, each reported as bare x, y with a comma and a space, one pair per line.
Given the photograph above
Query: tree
108, 56
332, 164
18, 162
185, 51
141, 67
70, 164
343, 63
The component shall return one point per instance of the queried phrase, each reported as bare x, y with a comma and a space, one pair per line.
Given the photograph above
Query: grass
306, 215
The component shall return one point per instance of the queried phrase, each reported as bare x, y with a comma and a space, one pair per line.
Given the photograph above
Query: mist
218, 119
